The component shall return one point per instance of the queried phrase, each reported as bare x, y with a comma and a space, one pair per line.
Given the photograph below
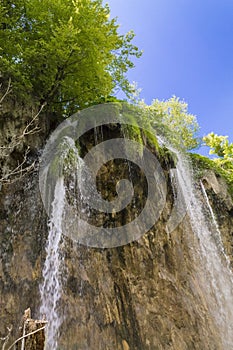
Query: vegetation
201, 163
56, 57
221, 147
67, 54
223, 164
172, 120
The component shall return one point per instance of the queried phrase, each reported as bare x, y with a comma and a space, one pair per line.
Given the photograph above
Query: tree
221, 147
65, 53
171, 119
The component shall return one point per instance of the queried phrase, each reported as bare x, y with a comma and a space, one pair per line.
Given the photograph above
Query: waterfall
216, 229
213, 271
60, 219
51, 289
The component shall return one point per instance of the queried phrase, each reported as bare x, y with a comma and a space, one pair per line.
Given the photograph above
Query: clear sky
188, 52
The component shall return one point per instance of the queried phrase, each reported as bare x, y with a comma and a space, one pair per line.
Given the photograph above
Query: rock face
141, 296
222, 203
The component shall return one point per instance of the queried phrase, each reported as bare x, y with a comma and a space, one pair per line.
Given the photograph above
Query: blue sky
188, 52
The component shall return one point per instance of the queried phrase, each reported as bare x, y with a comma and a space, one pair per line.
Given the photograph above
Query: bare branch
16, 141
19, 170
6, 339
7, 92
27, 130
27, 335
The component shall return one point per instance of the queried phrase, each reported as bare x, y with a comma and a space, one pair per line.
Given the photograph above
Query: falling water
60, 220
51, 289
214, 274
216, 229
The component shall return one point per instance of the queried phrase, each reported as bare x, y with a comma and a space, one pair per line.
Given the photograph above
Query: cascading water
213, 272
51, 289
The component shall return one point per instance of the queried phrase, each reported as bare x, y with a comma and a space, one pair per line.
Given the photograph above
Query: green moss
201, 163
168, 156
137, 126
70, 159
64, 161
151, 139
131, 128
54, 166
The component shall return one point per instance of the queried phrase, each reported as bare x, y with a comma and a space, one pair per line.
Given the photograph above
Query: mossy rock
201, 163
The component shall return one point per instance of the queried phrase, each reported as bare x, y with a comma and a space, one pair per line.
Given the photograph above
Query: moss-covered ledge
201, 164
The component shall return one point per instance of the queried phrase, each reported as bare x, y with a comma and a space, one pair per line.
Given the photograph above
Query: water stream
51, 289
215, 228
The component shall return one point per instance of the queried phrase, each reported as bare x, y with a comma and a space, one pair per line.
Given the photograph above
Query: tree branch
6, 338
7, 92
27, 335
16, 140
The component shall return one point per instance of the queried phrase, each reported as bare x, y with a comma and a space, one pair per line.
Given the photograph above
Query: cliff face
142, 296
221, 201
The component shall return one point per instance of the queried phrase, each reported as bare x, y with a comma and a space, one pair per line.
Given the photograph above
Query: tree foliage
171, 119
67, 53
220, 146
